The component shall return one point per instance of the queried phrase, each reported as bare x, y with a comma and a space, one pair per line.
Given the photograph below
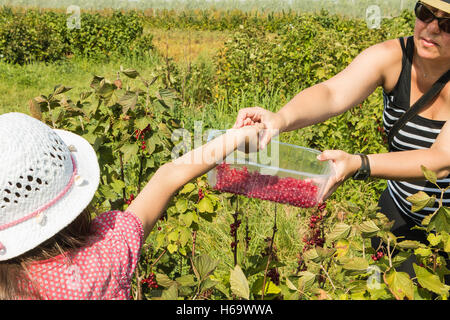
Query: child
49, 247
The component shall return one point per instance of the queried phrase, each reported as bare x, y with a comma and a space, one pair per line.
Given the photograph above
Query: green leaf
105, 88
312, 255
325, 253
342, 247
187, 218
239, 283
130, 73
85, 95
95, 82
185, 236
368, 228
142, 123
434, 239
182, 205
270, 287
163, 280
340, 230
204, 265
421, 200
173, 236
424, 252
171, 293
205, 205
356, 264
129, 150
409, 244
172, 247
117, 185
440, 221
187, 188
430, 281
446, 241
306, 280
128, 101
429, 175
400, 284
107, 192
187, 280
61, 89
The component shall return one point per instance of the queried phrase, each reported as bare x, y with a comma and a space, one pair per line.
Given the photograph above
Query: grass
18, 83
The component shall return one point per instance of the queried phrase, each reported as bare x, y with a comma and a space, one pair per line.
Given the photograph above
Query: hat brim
29, 234
438, 4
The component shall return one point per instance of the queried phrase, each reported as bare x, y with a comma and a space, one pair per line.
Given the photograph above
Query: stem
235, 215
270, 253
141, 167
194, 238
157, 259
246, 234
122, 174
389, 252
328, 277
364, 249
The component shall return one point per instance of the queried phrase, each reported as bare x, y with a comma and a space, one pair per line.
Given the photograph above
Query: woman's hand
344, 166
272, 122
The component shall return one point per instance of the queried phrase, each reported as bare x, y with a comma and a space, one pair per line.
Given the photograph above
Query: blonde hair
15, 282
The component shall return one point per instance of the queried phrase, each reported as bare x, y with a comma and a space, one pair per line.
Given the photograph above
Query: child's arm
153, 199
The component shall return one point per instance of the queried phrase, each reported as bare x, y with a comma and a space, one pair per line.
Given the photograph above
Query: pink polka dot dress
100, 271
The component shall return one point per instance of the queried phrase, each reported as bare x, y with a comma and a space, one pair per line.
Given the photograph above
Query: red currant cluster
201, 195
233, 229
140, 136
288, 190
130, 199
315, 236
274, 275
377, 256
316, 232
150, 281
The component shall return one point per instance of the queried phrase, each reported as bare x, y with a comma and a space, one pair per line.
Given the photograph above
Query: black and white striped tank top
418, 133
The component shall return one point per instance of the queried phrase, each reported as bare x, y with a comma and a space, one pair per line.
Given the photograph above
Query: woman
406, 69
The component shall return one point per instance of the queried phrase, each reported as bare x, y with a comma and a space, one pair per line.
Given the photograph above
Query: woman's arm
405, 165
154, 198
402, 165
331, 97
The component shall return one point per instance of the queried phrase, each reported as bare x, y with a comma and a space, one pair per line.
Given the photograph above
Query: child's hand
249, 137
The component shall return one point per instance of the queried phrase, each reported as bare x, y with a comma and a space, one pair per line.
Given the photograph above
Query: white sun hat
47, 178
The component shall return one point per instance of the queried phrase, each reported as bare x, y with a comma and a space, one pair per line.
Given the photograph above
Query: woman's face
430, 41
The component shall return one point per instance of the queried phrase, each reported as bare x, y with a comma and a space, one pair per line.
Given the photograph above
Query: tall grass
18, 83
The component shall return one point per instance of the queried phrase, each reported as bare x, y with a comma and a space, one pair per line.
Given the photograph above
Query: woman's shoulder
388, 55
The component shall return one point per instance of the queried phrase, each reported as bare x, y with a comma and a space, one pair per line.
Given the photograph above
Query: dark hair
15, 282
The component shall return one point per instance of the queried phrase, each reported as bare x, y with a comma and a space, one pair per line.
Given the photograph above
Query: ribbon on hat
44, 207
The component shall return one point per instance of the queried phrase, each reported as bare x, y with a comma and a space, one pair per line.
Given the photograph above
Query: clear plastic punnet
281, 172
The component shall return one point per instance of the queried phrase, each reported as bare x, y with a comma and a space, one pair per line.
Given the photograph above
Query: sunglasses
426, 15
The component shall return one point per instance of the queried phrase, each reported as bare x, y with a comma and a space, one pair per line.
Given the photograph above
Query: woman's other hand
344, 166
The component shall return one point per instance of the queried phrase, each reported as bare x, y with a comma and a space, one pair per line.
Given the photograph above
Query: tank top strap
402, 90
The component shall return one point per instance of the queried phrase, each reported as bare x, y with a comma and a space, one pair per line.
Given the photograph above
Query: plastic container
282, 173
